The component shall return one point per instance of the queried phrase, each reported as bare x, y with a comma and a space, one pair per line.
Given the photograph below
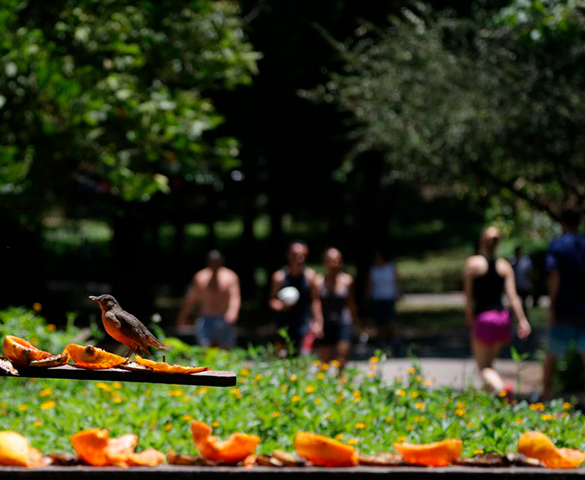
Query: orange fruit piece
95, 447
538, 445
15, 451
91, 446
93, 358
324, 451
21, 352
119, 449
437, 454
233, 450
163, 367
147, 458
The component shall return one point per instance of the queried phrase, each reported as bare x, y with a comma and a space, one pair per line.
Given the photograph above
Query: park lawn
275, 399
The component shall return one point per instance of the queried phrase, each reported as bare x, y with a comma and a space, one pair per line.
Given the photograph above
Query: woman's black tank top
488, 289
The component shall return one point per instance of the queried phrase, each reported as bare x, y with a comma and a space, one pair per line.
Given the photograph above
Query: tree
486, 102
111, 98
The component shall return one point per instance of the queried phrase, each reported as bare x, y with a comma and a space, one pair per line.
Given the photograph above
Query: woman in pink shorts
486, 278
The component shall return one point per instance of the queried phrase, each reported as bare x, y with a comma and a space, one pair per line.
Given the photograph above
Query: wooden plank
209, 378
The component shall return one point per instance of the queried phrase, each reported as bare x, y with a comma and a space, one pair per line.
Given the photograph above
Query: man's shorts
214, 331
560, 337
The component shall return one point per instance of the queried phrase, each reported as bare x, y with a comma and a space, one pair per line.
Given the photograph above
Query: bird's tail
154, 342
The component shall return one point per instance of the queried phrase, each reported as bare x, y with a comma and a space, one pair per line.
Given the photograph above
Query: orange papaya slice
15, 451
436, 454
21, 352
233, 450
163, 367
324, 451
93, 358
540, 446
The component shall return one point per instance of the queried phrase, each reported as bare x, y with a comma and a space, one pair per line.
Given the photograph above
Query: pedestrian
565, 263
382, 290
294, 311
215, 293
522, 266
334, 310
486, 278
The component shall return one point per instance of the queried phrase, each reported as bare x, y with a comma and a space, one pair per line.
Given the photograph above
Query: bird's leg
130, 352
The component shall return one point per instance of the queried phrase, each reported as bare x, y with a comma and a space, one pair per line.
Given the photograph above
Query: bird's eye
89, 350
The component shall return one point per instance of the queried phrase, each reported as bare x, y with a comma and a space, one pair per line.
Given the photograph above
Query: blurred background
136, 136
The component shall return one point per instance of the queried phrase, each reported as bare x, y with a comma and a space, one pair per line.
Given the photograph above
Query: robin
125, 327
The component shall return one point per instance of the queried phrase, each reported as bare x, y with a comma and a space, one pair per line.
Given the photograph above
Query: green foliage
275, 399
492, 102
115, 91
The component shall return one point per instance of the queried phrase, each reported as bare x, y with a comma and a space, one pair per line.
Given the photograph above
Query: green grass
274, 399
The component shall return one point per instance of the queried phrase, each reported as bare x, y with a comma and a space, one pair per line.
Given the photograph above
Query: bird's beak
91, 297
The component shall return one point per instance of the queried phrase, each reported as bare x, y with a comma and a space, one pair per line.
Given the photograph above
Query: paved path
457, 373
446, 299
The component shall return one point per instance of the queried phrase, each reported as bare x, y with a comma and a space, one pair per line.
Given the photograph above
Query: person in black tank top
334, 310
295, 318
486, 279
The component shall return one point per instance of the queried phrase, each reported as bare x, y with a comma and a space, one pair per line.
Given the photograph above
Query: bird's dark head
105, 301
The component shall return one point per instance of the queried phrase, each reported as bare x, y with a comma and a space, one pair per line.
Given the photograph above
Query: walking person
382, 290
334, 309
565, 263
215, 293
522, 266
486, 278
294, 315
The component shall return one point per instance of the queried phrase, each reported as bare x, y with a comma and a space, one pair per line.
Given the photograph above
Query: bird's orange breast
115, 332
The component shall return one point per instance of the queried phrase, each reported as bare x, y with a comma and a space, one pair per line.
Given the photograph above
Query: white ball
289, 296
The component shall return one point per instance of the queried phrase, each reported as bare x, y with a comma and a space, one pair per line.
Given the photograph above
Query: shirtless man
296, 318
216, 292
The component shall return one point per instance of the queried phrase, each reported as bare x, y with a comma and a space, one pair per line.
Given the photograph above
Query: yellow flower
320, 376
442, 415
546, 417
187, 417
400, 393
244, 372
318, 401
48, 405
84, 392
502, 394
215, 424
324, 367
275, 414
284, 388
357, 400
203, 390
339, 436
410, 428
374, 359
236, 393
419, 419
148, 391
37, 424
478, 452
117, 385
51, 327
537, 406
419, 405
23, 408
469, 424
519, 420
45, 392
373, 366
360, 425
293, 378
338, 400
389, 419
414, 394
371, 374
117, 400
258, 377
402, 438
310, 389
418, 378
357, 393
37, 307
335, 363
460, 412
104, 386
411, 371
353, 441
461, 404
296, 398
427, 383
185, 399
175, 393
317, 363
168, 426
566, 405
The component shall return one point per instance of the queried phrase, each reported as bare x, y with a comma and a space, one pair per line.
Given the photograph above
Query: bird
125, 327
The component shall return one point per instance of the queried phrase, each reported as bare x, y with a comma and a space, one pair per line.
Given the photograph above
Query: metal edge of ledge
261, 473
